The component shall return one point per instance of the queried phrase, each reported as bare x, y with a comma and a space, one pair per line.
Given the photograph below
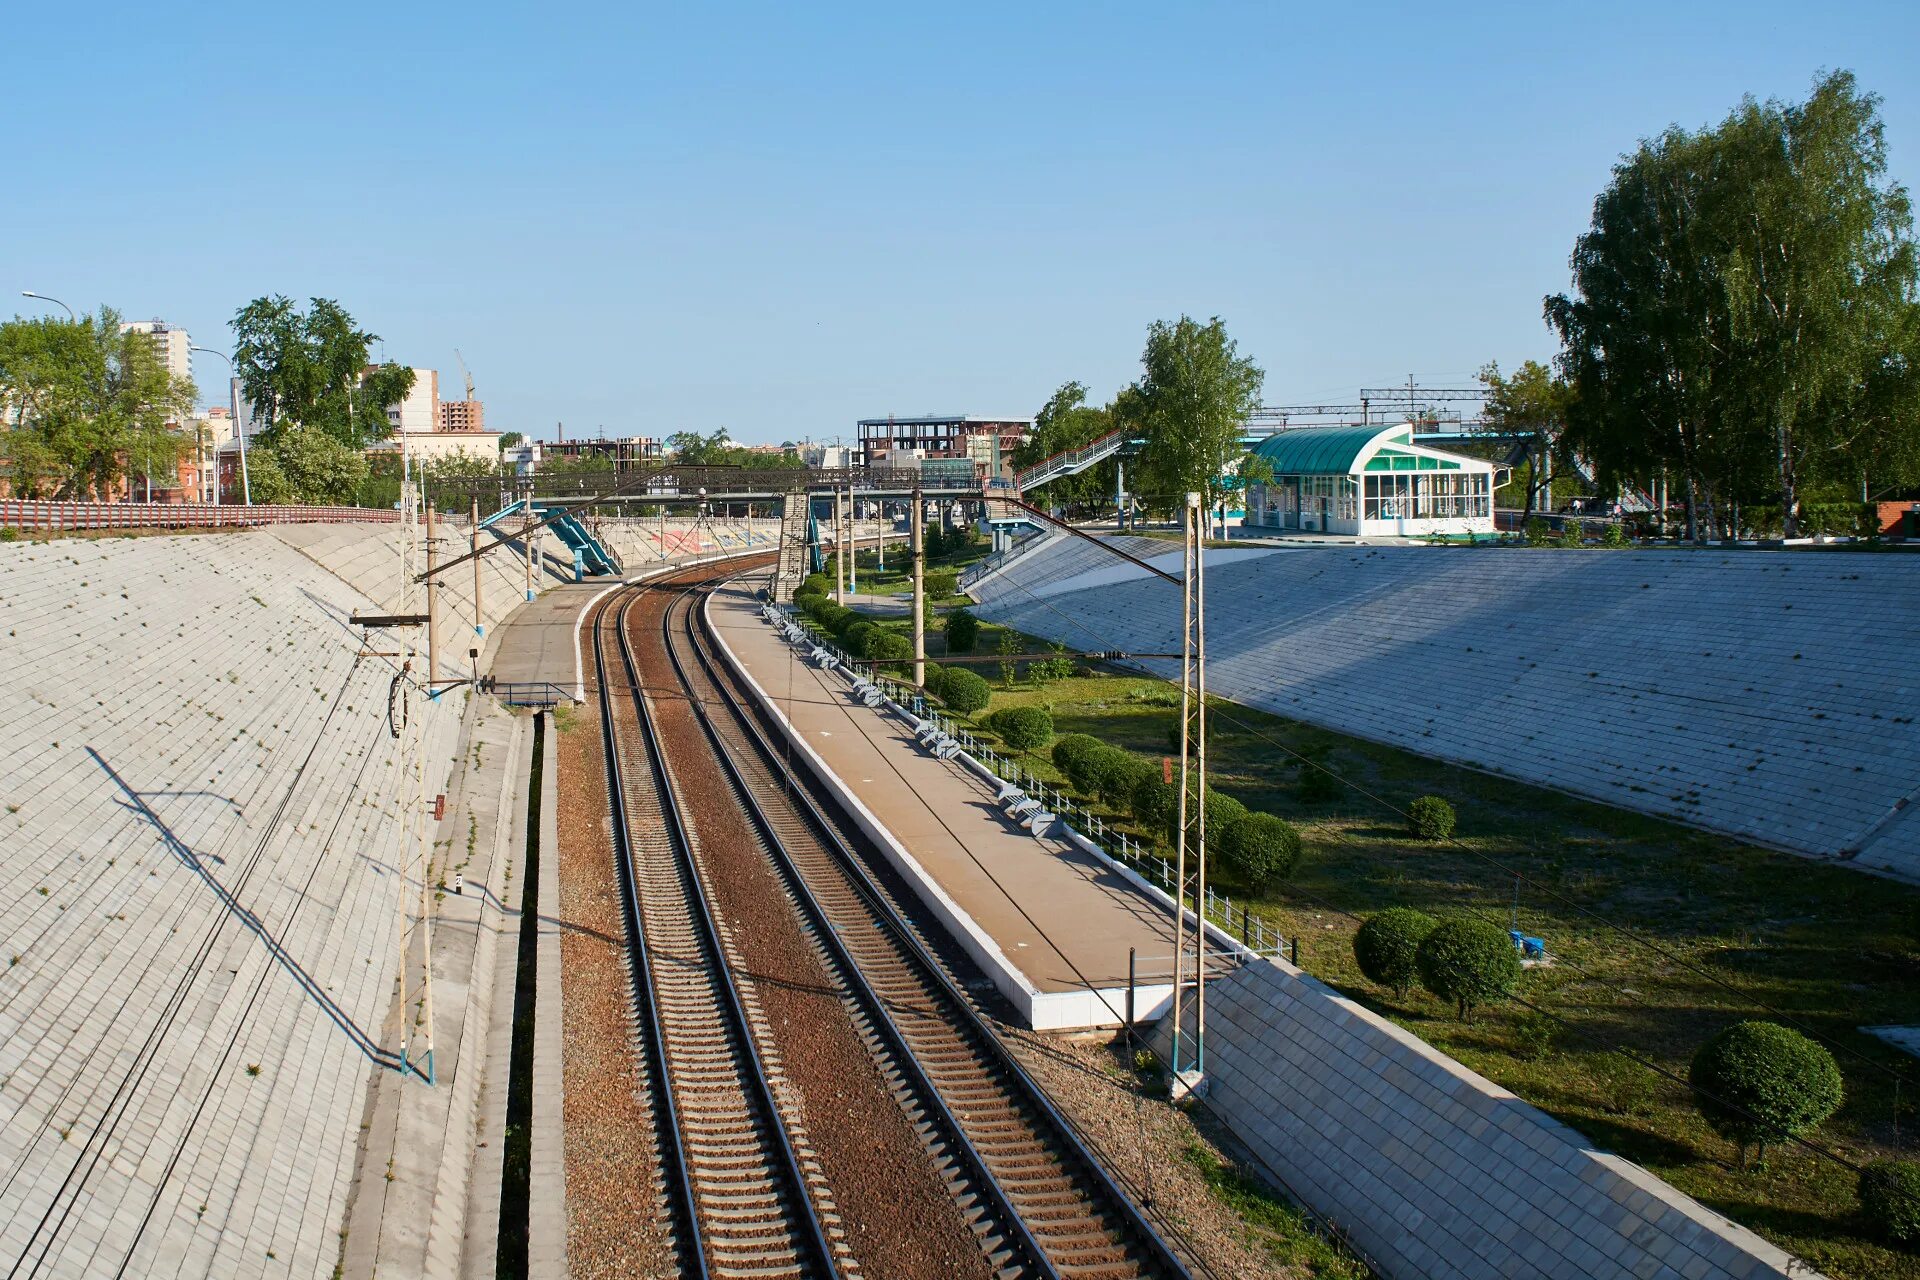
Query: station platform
1049, 922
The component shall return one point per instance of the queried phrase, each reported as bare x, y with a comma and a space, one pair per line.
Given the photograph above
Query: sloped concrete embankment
1435, 1172
203, 844
1770, 696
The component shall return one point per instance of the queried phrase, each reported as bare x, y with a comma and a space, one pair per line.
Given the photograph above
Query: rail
833, 941
1014, 1076
678, 1177
543, 694
749, 1236
31, 514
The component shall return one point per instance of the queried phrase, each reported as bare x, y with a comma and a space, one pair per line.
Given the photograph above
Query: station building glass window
1430, 495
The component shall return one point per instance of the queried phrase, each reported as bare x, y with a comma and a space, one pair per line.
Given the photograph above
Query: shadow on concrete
196, 863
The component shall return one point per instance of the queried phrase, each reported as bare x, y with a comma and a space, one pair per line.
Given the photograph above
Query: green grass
1729, 930
1272, 1225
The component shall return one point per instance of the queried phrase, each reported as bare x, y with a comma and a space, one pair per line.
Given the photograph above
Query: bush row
1256, 849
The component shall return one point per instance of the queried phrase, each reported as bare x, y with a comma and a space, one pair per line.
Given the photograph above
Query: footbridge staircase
591, 556
1069, 462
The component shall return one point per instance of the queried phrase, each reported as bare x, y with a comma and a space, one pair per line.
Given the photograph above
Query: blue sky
781, 218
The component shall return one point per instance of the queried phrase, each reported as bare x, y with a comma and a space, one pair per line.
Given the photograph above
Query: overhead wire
1456, 843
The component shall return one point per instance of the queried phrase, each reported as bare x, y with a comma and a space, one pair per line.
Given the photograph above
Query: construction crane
463, 371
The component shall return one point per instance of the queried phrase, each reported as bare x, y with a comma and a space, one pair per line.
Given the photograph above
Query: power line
1455, 842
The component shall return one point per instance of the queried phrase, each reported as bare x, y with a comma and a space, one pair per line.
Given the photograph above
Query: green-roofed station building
1370, 481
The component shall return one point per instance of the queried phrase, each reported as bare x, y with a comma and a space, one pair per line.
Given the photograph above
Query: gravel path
899, 1217
613, 1225
1145, 1140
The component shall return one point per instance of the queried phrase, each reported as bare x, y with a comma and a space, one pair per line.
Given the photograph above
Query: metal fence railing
21, 513
1220, 910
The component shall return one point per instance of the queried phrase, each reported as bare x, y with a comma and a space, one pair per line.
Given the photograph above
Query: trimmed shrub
1890, 1195
1430, 818
942, 584
1023, 728
1260, 850
1759, 1083
936, 679
1120, 773
1469, 962
859, 635
1153, 803
891, 647
1388, 944
1071, 756
818, 584
1223, 811
963, 630
963, 691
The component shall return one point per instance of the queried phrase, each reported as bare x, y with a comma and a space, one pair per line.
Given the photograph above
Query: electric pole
916, 529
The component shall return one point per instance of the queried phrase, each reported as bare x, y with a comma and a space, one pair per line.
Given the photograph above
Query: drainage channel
510, 1259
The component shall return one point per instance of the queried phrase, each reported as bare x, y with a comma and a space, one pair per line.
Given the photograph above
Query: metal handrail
1051, 468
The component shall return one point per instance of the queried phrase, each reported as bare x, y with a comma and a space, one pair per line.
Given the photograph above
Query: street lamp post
28, 293
233, 392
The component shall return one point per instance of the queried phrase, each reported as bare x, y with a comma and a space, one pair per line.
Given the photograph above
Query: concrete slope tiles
1770, 696
199, 887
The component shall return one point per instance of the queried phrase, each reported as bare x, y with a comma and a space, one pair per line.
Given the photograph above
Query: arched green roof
1323, 451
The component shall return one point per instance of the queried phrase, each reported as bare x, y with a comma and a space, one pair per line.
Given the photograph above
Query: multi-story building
934, 436
419, 413
625, 451
170, 344
462, 415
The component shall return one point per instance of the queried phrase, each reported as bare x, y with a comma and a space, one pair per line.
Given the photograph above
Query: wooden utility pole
433, 604
916, 529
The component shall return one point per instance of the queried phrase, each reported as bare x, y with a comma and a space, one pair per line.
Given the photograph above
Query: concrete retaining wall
1436, 1172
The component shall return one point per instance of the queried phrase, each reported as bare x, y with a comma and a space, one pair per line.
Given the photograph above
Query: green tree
963, 691
1743, 311
311, 368
1532, 403
1260, 850
318, 468
962, 630
1066, 422
1469, 962
1759, 1083
1387, 946
1191, 402
90, 409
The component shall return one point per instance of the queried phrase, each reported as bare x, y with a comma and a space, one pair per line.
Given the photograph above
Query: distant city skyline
781, 223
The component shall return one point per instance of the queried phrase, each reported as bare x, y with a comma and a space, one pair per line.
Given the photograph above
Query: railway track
1041, 1202
731, 1190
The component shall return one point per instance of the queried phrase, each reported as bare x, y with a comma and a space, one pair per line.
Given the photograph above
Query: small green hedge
1260, 850
963, 691
1890, 1197
1071, 755
1430, 818
1759, 1083
1153, 803
1470, 962
942, 584
1119, 774
1388, 944
1023, 728
889, 647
